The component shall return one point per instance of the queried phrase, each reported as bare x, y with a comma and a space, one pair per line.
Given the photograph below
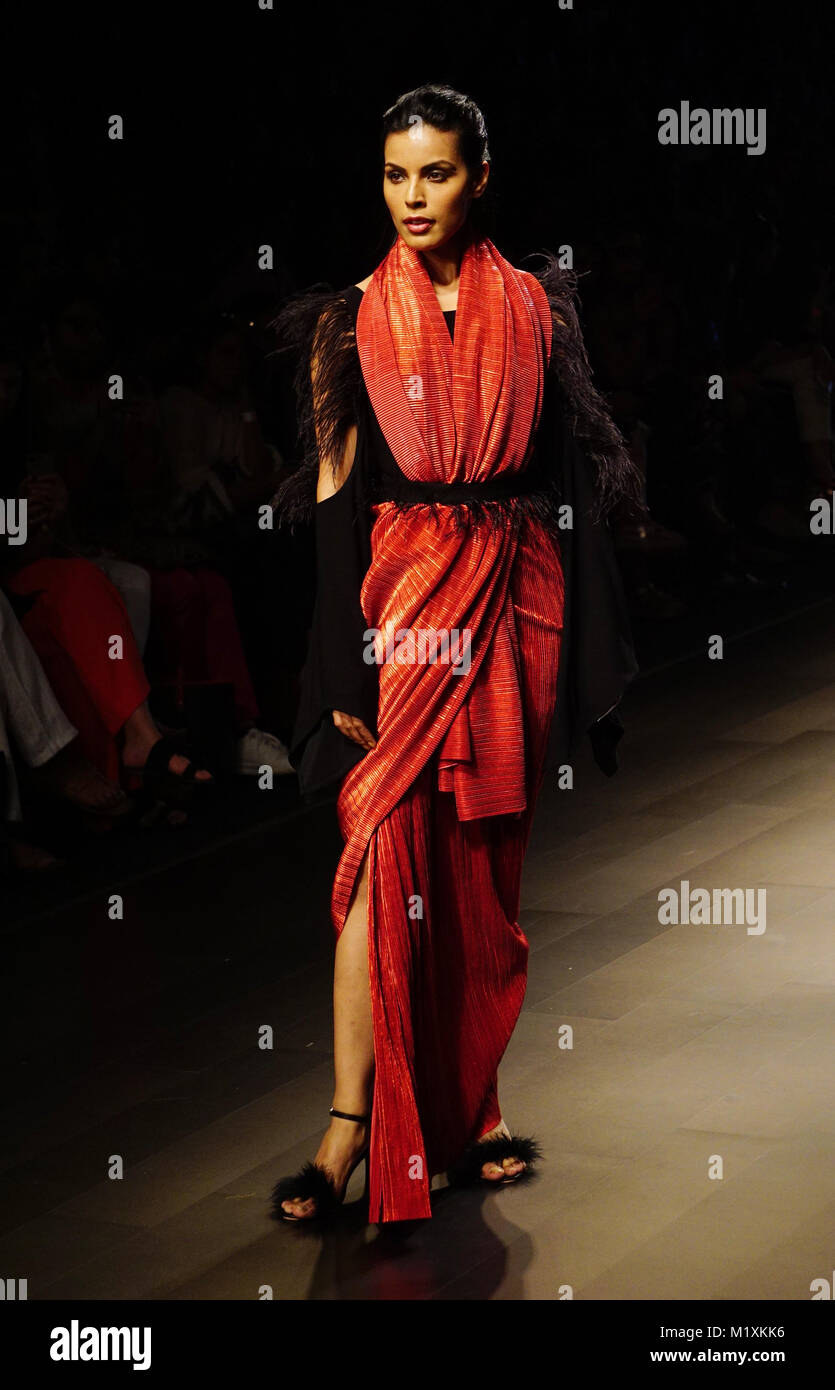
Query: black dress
597, 658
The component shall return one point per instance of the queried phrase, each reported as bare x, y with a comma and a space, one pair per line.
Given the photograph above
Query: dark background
244, 127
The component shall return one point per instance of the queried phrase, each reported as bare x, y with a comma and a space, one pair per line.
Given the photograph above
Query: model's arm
332, 479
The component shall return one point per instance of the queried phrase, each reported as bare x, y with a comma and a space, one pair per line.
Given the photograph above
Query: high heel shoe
466, 1171
313, 1182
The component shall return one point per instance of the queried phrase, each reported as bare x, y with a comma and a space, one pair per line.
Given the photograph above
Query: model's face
425, 177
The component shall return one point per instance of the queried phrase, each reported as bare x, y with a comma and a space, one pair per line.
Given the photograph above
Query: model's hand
354, 729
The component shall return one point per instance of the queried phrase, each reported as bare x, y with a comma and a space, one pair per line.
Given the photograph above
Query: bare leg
354, 1057
353, 1032
353, 1048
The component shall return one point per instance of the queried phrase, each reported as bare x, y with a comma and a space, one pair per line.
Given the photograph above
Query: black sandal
466, 1171
173, 788
311, 1181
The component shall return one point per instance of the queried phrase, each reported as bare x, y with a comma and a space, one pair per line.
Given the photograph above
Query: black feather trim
467, 1169
616, 477
310, 1181
317, 322
496, 515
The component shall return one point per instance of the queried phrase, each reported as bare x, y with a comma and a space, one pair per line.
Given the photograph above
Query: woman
445, 469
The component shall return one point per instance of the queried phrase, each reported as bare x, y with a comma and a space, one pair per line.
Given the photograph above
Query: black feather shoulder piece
317, 323
615, 476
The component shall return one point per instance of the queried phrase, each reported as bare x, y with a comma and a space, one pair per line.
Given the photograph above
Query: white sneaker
257, 749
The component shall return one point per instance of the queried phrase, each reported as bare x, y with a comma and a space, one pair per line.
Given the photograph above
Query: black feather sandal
466, 1171
313, 1182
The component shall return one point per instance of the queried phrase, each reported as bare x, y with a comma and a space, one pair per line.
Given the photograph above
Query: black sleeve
597, 657
583, 452
335, 675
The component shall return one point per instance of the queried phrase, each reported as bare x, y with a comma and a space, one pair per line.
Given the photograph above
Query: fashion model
469, 629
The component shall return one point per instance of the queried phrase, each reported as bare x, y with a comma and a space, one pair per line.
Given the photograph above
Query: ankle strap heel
312, 1182
343, 1115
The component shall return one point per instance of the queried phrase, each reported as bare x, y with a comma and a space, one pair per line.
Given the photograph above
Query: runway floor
692, 1044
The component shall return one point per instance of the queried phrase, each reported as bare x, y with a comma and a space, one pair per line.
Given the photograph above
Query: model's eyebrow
435, 162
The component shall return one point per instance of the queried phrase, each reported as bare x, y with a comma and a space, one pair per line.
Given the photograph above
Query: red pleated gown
444, 805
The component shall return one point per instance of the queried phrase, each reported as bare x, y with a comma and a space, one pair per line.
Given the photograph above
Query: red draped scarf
462, 411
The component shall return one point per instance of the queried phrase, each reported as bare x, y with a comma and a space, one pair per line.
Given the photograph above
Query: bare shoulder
363, 284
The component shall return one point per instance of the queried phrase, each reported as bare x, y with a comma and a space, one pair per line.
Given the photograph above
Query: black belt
494, 489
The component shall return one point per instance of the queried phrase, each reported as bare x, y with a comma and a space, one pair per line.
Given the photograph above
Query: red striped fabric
462, 411
443, 803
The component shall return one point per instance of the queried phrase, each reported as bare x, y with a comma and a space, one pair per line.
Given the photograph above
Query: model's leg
353, 1047
353, 1032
